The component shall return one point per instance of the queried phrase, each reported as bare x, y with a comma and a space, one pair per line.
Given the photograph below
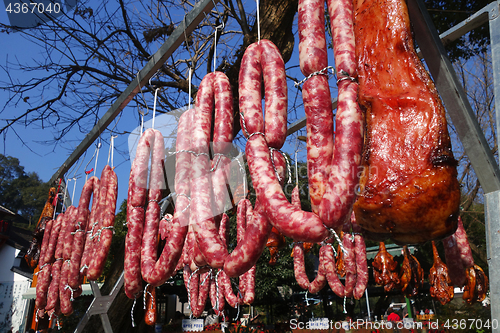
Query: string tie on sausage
345, 310
189, 293
219, 155
99, 232
41, 268
84, 267
333, 234
323, 71
217, 292
188, 205
71, 291
343, 75
145, 294
132, 312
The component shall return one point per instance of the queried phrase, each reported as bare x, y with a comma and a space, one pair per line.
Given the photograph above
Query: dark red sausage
331, 273
350, 264
361, 267
463, 245
91, 228
102, 242
90, 187
135, 214
205, 227
456, 269
319, 281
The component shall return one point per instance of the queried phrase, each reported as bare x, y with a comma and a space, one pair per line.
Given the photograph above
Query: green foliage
21, 192
448, 13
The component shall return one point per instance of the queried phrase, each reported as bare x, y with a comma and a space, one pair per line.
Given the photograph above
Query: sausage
153, 210
312, 42
53, 291
319, 127
341, 24
463, 245
320, 280
45, 241
276, 94
361, 260
249, 292
166, 226
135, 215
361, 266
102, 243
56, 254
225, 283
191, 281
262, 60
203, 290
43, 279
65, 292
217, 295
222, 139
331, 273
90, 187
456, 269
299, 267
150, 315
290, 221
339, 196
205, 228
90, 230
250, 100
251, 246
154, 271
316, 97
350, 264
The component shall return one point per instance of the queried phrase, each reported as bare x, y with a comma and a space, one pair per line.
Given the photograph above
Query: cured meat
409, 178
213, 87
439, 280
476, 286
91, 187
275, 241
331, 273
458, 255
385, 269
103, 236
412, 274
339, 259
350, 264
150, 315
33, 254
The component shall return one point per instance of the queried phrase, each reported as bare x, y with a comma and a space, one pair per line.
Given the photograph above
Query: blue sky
45, 160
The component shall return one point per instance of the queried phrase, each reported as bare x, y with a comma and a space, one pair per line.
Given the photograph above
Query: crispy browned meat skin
385, 269
476, 285
275, 241
412, 274
410, 189
339, 260
441, 287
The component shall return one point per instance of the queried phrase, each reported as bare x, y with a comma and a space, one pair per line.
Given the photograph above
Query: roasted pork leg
409, 187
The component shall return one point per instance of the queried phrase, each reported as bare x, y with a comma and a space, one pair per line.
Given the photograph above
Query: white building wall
12, 287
